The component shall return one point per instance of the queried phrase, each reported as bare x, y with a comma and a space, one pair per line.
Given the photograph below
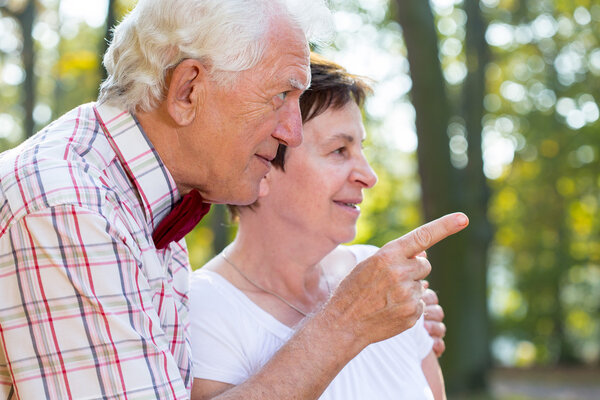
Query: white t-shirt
232, 338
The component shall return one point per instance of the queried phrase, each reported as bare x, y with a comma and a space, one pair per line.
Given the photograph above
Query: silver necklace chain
272, 293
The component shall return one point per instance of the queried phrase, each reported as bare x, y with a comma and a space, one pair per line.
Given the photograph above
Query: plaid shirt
89, 308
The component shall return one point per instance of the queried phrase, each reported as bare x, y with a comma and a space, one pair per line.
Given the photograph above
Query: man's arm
76, 312
204, 389
380, 298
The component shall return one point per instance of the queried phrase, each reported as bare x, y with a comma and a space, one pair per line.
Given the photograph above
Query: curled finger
439, 346
435, 329
430, 297
434, 312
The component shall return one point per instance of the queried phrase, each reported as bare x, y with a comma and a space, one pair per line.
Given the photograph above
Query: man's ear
265, 184
185, 90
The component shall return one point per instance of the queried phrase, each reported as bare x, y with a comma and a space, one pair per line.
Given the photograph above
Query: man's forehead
301, 81
289, 63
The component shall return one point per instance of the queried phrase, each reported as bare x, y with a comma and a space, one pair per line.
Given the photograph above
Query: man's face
241, 125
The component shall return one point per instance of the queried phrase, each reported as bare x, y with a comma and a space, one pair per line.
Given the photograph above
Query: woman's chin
347, 237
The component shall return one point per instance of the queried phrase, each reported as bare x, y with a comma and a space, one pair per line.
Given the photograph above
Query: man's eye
279, 100
339, 151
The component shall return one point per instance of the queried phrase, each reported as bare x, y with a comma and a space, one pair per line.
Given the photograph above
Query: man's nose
289, 128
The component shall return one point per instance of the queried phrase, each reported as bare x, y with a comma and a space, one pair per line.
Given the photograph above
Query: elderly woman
286, 260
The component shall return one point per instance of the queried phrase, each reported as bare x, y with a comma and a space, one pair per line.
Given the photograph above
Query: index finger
432, 232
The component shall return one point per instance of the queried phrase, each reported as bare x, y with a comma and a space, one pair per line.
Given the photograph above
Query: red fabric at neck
181, 220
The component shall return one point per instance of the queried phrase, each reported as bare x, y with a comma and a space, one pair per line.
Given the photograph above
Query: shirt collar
156, 187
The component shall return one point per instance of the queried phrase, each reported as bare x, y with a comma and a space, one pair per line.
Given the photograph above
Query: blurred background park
488, 107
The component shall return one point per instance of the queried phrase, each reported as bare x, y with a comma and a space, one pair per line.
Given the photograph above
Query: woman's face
321, 189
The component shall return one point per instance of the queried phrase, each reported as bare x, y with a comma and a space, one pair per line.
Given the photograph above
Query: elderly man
93, 271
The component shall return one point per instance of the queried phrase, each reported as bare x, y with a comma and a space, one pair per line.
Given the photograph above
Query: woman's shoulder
361, 251
210, 281
208, 287
344, 258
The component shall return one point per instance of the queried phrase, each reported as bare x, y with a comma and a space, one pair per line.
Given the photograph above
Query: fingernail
462, 219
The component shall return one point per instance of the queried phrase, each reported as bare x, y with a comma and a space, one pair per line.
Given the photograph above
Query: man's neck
164, 136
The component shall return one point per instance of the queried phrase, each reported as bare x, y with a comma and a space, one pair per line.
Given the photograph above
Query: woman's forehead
335, 125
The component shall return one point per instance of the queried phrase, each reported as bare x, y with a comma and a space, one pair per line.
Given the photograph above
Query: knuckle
423, 236
384, 258
398, 277
403, 292
408, 291
426, 265
410, 311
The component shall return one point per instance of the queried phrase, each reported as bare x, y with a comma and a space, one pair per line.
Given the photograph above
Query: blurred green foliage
542, 95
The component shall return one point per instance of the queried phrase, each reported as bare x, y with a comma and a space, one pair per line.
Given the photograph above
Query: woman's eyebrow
343, 136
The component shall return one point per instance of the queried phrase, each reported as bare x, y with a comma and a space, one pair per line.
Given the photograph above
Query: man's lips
265, 159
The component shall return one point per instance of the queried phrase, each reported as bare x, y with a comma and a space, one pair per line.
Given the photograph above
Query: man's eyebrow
296, 84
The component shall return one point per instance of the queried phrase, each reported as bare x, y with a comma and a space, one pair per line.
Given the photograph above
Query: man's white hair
226, 35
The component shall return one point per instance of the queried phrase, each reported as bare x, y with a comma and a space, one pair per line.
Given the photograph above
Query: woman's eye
339, 151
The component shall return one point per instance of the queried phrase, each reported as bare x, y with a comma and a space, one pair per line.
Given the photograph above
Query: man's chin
241, 192
245, 197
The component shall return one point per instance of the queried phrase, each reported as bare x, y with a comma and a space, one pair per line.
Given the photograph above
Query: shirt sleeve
423, 342
220, 334
76, 312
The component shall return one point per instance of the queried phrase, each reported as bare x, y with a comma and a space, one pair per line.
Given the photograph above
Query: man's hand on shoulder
434, 316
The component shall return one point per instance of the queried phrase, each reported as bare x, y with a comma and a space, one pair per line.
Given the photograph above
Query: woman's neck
281, 261
288, 265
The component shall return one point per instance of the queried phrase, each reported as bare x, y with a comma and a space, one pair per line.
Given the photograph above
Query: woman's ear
185, 90
264, 187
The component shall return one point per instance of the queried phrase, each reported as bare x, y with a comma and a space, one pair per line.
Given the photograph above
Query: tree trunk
480, 233
111, 19
431, 104
26, 18
459, 262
